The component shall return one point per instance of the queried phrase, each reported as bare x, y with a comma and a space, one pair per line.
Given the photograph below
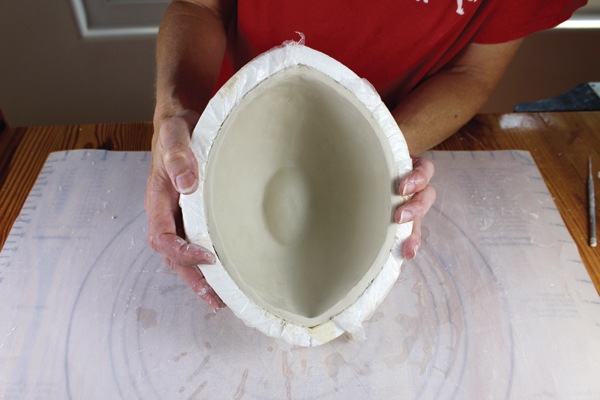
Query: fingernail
411, 252
219, 307
216, 304
405, 216
185, 182
409, 188
415, 250
210, 257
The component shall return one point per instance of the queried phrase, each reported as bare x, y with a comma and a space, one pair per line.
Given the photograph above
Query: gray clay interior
298, 196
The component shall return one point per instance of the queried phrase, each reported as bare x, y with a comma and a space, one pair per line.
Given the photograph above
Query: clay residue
167, 289
147, 317
168, 271
177, 358
364, 370
199, 369
209, 315
240, 392
376, 317
333, 362
287, 373
197, 391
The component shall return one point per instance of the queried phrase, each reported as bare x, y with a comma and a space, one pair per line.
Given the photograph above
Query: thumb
177, 156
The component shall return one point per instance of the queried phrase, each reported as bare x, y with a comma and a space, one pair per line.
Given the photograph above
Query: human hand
417, 183
174, 172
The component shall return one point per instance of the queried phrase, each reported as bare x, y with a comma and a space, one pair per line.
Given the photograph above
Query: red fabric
393, 43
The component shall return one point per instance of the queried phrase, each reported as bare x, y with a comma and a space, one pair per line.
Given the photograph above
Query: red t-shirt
392, 43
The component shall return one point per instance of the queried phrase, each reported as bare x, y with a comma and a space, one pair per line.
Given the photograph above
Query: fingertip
398, 216
186, 183
413, 242
403, 216
193, 277
409, 188
195, 254
212, 299
209, 257
410, 250
218, 306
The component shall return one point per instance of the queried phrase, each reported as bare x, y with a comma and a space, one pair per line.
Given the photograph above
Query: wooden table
559, 142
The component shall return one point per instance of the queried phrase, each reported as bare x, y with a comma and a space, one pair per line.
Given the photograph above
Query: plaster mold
298, 160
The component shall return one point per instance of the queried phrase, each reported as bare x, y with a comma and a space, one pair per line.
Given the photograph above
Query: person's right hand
174, 172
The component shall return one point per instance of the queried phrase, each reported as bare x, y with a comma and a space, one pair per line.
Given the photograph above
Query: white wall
49, 76
547, 64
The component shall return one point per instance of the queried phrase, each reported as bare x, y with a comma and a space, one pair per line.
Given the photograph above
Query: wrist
165, 110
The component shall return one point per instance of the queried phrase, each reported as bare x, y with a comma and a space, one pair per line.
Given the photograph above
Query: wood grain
560, 144
23, 152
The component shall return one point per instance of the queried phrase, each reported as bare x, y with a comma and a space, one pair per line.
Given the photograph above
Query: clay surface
298, 196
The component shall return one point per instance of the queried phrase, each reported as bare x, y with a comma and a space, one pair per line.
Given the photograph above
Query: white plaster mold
298, 161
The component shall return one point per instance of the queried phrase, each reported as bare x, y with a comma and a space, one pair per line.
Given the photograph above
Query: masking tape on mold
289, 55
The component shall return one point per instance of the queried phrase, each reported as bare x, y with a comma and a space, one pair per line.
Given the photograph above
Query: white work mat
497, 304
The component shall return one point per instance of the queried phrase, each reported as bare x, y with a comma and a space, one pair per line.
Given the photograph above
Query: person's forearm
437, 109
443, 103
190, 48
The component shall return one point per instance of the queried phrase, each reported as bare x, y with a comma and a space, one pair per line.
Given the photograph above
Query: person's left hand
174, 173
417, 183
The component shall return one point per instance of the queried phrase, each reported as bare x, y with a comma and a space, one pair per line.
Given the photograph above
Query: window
586, 17
105, 18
